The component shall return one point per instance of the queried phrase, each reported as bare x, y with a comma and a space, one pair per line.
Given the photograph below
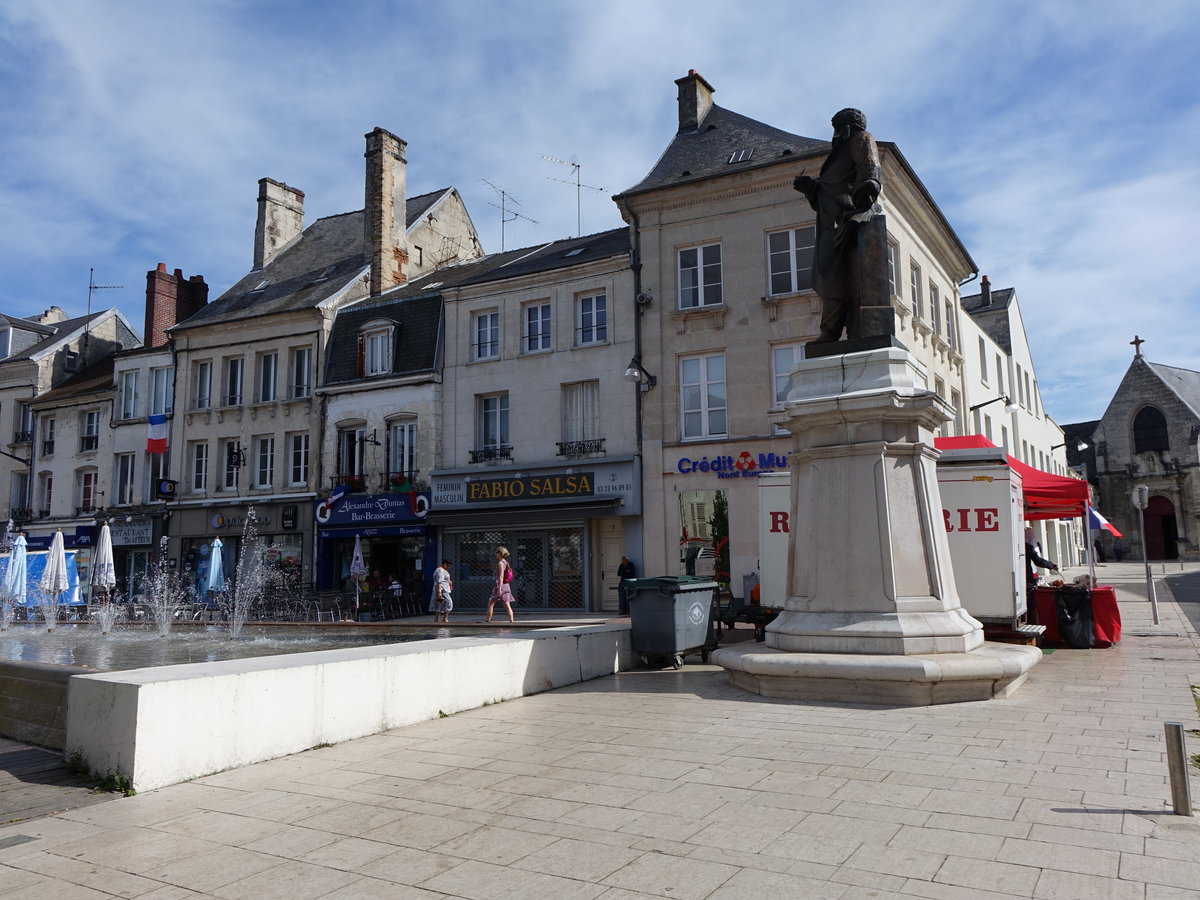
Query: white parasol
215, 582
14, 587
54, 579
358, 568
104, 573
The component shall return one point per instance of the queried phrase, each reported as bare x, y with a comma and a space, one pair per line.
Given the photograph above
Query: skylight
741, 155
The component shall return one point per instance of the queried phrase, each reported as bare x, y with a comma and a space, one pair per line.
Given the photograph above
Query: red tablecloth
1106, 617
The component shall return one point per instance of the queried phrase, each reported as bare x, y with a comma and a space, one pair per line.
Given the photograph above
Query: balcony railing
20, 515
300, 391
581, 448
355, 484
47, 448
399, 481
491, 454
85, 510
22, 437
89, 442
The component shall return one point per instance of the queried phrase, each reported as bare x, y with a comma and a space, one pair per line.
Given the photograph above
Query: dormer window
375, 343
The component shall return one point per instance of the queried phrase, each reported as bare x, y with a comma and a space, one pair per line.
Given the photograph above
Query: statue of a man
843, 194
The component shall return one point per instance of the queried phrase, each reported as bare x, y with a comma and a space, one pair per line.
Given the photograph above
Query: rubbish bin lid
673, 583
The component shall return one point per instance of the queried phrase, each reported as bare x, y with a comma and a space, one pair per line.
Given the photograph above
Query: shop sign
84, 536
359, 509
531, 487
290, 515
125, 534
219, 520
744, 465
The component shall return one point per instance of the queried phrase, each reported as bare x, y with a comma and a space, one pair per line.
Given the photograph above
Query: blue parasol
15, 587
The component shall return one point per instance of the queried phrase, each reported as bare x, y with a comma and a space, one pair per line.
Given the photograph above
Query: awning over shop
1047, 496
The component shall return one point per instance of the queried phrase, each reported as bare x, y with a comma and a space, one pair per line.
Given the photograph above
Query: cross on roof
1137, 345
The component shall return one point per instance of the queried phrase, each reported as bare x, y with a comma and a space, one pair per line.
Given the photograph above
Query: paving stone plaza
675, 784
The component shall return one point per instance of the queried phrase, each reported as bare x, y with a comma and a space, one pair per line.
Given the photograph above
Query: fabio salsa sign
531, 487
743, 465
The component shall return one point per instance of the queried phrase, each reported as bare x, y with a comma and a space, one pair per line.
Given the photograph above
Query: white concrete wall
165, 725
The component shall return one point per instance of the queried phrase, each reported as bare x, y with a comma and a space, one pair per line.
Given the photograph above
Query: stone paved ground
34, 782
674, 784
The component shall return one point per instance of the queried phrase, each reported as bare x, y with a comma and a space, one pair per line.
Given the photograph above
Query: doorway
1162, 531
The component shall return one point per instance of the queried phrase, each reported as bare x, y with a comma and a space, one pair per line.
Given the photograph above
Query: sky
1058, 137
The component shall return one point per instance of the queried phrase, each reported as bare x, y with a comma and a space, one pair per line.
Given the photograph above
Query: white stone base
993, 670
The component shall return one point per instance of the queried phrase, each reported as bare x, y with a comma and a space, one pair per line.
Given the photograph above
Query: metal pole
1181, 790
1146, 562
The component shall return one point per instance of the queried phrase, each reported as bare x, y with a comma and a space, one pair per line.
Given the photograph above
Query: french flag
1097, 522
156, 435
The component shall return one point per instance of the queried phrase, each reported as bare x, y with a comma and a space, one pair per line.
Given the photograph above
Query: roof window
741, 155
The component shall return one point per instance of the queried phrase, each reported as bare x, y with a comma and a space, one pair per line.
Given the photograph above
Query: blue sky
1059, 138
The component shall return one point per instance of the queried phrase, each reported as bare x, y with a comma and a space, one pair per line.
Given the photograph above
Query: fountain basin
159, 726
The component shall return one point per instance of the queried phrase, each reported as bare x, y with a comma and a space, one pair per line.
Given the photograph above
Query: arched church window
1150, 430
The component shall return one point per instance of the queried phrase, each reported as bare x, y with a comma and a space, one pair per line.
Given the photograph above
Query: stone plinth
872, 613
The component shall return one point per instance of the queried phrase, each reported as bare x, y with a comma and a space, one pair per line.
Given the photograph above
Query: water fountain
248, 579
167, 593
6, 609
109, 613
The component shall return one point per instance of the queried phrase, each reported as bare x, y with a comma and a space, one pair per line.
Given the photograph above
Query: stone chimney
280, 218
169, 300
985, 292
385, 210
695, 100
51, 316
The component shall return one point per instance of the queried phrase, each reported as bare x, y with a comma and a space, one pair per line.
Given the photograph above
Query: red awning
1047, 496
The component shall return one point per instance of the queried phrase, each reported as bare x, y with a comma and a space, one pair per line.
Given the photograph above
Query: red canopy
1047, 496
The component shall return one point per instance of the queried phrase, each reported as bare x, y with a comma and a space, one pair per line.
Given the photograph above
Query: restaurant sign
362, 509
531, 487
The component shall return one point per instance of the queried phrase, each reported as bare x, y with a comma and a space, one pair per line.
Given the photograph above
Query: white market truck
983, 512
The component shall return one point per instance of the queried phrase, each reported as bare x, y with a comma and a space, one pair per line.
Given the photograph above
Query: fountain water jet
167, 593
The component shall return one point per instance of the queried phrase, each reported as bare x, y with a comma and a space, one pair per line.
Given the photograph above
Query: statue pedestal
872, 614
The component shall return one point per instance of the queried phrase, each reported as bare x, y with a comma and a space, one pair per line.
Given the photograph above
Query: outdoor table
1106, 617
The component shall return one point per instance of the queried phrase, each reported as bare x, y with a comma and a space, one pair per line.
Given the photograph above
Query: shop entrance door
1161, 529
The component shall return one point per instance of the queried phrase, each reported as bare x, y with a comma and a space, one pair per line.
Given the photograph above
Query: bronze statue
843, 196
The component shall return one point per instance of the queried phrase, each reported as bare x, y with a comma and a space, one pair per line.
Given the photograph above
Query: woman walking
502, 592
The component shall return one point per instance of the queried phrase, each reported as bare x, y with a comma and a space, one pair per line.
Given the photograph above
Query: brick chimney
985, 292
385, 210
169, 300
280, 219
695, 100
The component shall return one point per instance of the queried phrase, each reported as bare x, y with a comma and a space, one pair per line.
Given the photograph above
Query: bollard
1181, 790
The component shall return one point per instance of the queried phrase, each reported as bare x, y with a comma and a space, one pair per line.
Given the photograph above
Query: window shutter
360, 355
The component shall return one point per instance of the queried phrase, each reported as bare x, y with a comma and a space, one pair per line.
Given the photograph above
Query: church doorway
1161, 529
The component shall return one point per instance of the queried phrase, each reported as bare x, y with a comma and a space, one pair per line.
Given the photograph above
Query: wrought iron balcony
20, 515
491, 454
356, 484
22, 437
580, 448
47, 448
399, 481
85, 510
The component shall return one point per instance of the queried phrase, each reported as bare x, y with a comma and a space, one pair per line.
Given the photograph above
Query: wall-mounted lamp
1080, 446
638, 375
369, 438
1009, 406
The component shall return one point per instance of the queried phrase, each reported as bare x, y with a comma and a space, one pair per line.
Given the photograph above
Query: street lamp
1080, 446
639, 376
1009, 406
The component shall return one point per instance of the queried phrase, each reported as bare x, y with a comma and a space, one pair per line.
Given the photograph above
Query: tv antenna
506, 214
92, 288
573, 162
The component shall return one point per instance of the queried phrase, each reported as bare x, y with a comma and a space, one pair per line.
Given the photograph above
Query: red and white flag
156, 435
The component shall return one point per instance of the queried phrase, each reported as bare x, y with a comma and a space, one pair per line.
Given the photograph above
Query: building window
983, 376
18, 496
485, 340
350, 452
45, 493
783, 359
1028, 393
233, 458
199, 467
951, 333
162, 385
268, 364
537, 327
1000, 367
956, 402
402, 450
700, 276
789, 259
89, 431
581, 411
377, 351
86, 494
591, 319
1150, 430
129, 395
492, 422
264, 455
124, 479
160, 469
202, 385
935, 308
702, 396
301, 372
893, 264
231, 393
298, 460
914, 273
48, 424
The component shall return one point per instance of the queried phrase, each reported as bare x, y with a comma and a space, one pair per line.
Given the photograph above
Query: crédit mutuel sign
744, 465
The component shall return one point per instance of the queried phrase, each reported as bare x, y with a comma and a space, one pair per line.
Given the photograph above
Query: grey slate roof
331, 247
993, 319
95, 379
1184, 382
53, 333
557, 255
705, 152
